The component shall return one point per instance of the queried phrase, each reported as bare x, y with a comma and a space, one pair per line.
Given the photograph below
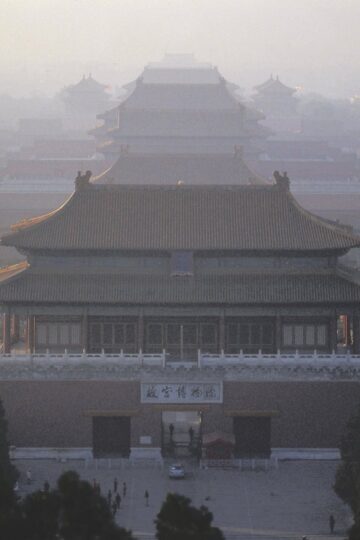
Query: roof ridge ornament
82, 181
282, 180
238, 151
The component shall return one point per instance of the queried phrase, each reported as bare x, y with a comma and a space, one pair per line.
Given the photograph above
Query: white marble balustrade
313, 366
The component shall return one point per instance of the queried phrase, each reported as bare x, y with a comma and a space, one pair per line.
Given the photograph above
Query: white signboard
145, 439
181, 392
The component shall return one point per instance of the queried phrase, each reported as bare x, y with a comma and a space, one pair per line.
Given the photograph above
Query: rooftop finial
82, 180
124, 148
282, 180
238, 151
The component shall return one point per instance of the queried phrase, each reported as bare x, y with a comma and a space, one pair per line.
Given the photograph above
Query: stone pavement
285, 503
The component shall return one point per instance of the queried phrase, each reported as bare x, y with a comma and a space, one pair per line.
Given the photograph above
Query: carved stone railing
296, 358
313, 366
310, 366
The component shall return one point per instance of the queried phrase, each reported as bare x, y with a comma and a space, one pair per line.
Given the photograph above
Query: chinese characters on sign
181, 393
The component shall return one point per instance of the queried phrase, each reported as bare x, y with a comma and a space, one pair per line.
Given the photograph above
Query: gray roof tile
137, 168
111, 288
241, 218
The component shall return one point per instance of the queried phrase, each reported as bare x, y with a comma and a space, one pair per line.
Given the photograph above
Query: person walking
115, 485
124, 489
146, 495
332, 523
28, 476
118, 501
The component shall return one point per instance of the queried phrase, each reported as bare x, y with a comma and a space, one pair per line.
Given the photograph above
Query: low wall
58, 414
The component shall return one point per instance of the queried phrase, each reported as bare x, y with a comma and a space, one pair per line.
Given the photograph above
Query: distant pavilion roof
152, 168
238, 218
86, 84
274, 86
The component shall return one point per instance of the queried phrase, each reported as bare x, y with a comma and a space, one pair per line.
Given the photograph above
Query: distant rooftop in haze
275, 99
274, 86
86, 96
168, 169
180, 105
179, 69
86, 84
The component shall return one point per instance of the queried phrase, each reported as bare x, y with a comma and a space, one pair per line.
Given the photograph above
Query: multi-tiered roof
274, 86
69, 249
182, 108
275, 98
87, 94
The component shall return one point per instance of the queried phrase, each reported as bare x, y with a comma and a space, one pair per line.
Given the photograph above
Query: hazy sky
46, 44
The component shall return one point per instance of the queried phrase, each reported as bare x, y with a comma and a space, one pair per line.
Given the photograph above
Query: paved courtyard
289, 502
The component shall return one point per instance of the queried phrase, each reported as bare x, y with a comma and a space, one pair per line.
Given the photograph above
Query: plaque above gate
181, 392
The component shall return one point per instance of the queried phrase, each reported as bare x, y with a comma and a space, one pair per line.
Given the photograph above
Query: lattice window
305, 335
41, 334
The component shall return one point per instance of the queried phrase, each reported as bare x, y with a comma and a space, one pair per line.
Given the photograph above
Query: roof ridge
182, 187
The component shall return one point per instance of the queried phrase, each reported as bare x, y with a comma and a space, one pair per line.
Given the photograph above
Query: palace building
155, 314
274, 98
87, 95
180, 106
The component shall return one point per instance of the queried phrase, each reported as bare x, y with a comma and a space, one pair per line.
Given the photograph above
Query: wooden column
222, 331
15, 328
7, 331
356, 333
30, 334
333, 333
278, 333
141, 330
85, 331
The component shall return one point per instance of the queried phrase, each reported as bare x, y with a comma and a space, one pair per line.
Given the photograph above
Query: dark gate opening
111, 436
252, 436
181, 433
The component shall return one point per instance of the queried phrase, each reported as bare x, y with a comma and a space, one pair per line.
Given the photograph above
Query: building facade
148, 287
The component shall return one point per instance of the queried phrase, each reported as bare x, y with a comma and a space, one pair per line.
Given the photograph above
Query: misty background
48, 44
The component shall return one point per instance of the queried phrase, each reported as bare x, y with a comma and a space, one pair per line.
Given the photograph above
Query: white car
176, 471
